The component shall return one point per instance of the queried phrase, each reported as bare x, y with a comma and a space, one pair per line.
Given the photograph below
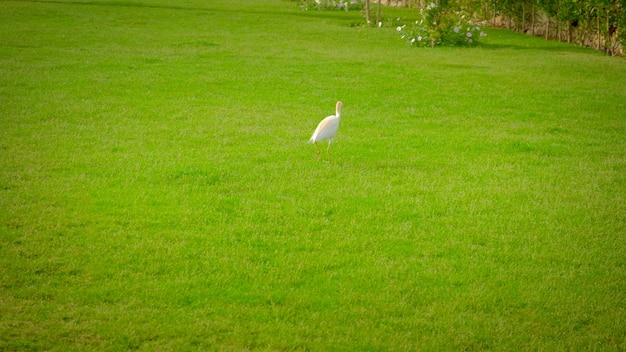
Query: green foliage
440, 26
596, 23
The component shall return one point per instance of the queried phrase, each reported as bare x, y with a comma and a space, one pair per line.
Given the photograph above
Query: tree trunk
608, 40
523, 25
598, 36
378, 19
569, 31
367, 12
532, 20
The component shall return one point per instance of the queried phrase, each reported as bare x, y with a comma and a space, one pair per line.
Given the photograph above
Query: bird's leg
318, 150
330, 140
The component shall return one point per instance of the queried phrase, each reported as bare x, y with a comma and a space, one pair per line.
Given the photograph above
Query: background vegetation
593, 23
157, 191
599, 24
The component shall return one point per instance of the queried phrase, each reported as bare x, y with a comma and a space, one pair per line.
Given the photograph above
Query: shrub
439, 26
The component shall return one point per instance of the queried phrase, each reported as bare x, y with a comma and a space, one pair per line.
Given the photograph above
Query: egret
327, 128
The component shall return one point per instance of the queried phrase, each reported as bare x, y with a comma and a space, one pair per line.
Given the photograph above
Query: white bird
327, 128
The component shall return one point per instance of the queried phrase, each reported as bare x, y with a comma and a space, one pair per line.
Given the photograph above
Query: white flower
412, 40
469, 34
419, 38
399, 29
457, 29
380, 24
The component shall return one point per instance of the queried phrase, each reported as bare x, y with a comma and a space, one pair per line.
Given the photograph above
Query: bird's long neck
338, 109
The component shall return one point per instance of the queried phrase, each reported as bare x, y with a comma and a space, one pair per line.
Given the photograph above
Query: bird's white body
327, 128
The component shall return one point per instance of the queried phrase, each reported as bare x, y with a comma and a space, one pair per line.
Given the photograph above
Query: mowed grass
157, 191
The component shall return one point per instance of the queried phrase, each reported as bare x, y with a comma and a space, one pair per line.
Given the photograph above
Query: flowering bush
441, 27
344, 5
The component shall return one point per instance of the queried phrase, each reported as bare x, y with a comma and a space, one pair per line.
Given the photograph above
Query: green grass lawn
157, 191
